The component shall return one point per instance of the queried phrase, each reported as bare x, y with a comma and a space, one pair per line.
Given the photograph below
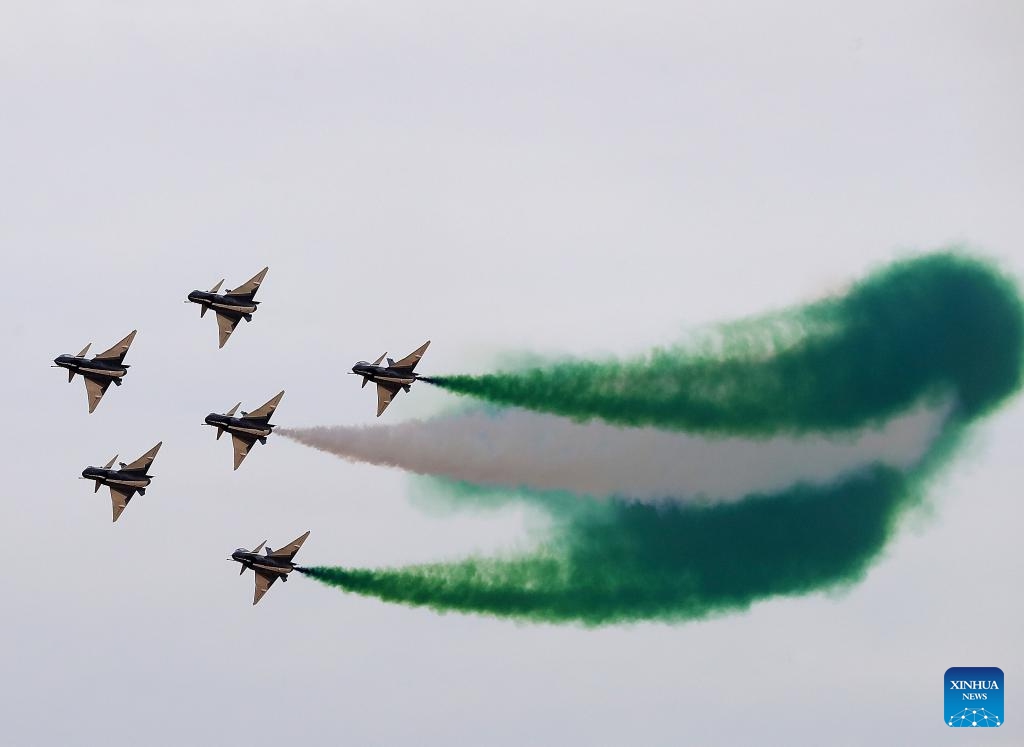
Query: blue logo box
974, 697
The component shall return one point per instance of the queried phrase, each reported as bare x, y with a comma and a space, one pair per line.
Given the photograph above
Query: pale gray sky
588, 178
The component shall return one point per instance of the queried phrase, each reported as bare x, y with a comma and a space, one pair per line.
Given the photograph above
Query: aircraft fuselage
383, 373
118, 477
242, 426
223, 304
262, 562
98, 369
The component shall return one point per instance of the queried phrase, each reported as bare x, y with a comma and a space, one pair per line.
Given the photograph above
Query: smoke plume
852, 412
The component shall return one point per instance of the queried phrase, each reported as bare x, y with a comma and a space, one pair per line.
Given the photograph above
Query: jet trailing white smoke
523, 449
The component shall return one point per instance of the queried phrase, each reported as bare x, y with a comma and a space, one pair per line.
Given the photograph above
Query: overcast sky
583, 178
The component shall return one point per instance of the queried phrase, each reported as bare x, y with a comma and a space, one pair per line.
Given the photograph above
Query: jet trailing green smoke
934, 326
917, 328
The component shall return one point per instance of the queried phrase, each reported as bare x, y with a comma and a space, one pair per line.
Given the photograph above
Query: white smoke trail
522, 449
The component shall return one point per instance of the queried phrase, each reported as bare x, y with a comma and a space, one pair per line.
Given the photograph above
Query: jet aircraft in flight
275, 564
125, 482
232, 306
245, 431
393, 377
98, 371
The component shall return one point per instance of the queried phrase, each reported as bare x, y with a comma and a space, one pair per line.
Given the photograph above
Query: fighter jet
245, 431
125, 482
392, 378
99, 370
231, 307
270, 567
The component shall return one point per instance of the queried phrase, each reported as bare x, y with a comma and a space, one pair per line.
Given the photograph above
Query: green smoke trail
921, 327
617, 562
917, 328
